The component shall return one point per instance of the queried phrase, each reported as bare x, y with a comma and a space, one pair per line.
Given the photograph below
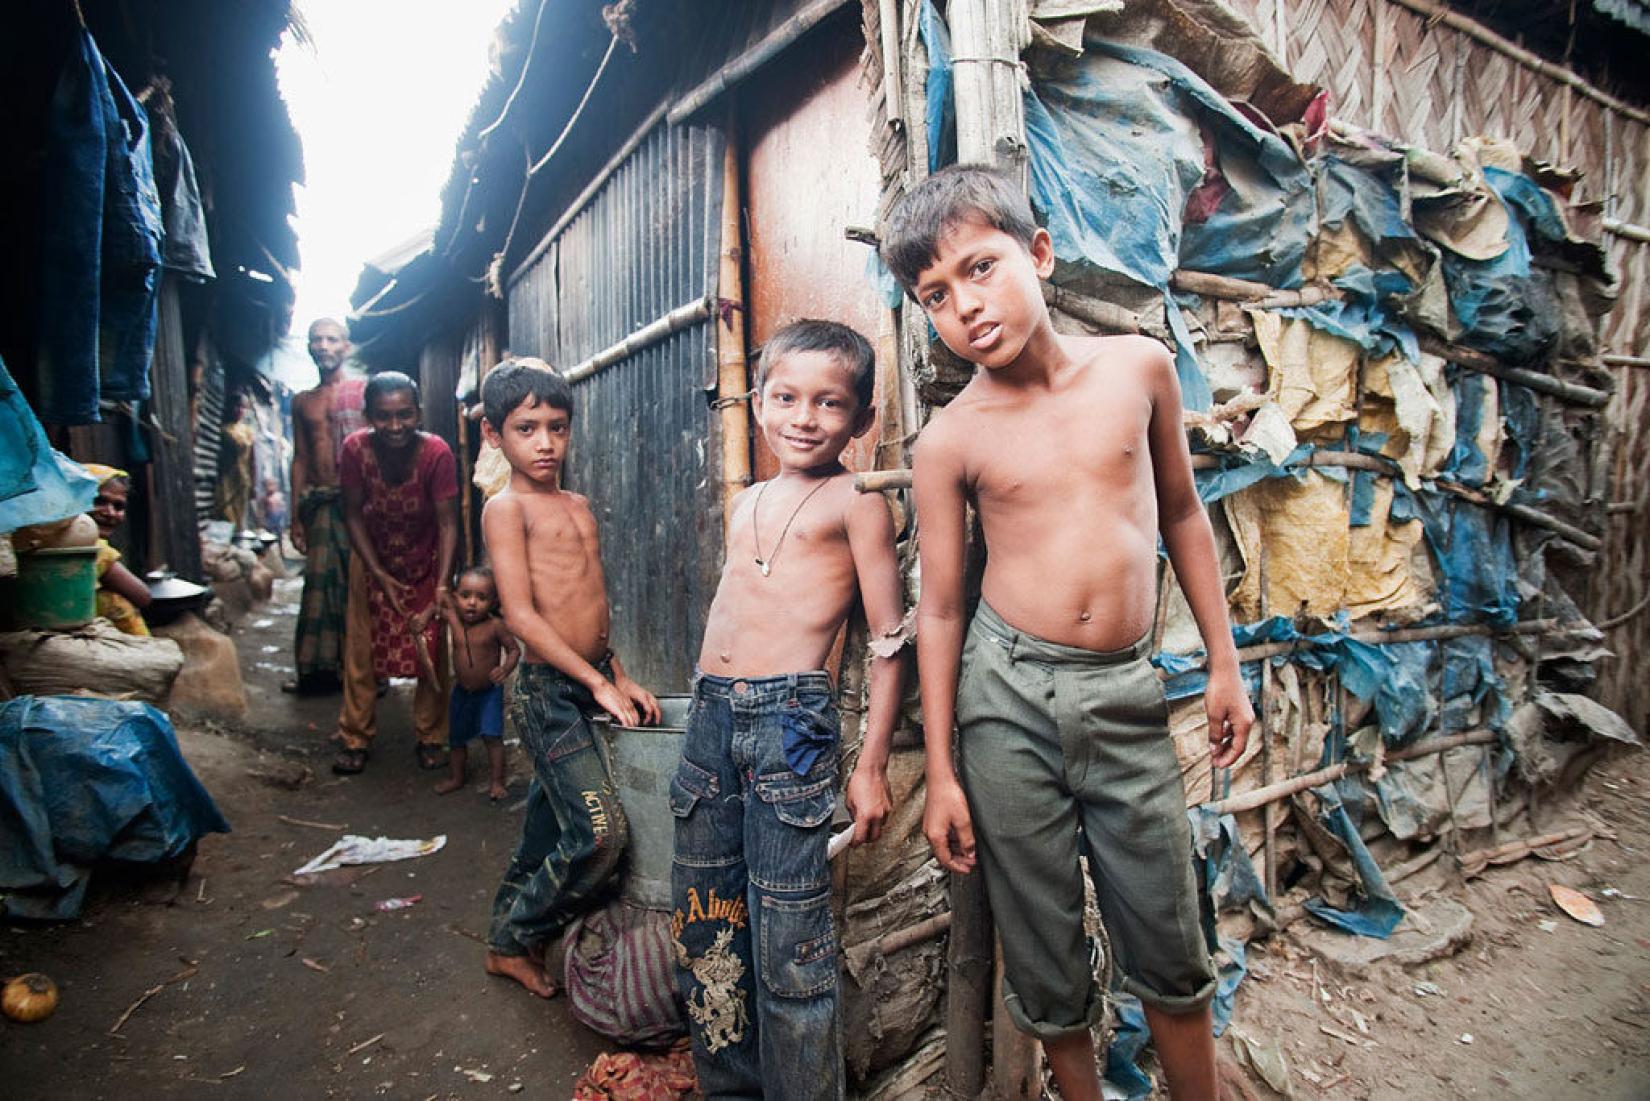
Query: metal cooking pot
170, 596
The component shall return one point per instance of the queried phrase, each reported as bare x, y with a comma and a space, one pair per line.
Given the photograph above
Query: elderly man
321, 419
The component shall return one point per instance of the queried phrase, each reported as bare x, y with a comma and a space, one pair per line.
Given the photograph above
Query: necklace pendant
763, 566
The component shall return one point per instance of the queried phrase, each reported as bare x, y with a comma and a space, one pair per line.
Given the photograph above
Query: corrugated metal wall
645, 441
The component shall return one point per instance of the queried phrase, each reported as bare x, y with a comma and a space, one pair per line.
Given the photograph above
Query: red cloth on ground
401, 523
631, 1076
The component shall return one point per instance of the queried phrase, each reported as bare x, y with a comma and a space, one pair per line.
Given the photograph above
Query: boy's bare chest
1055, 448
563, 542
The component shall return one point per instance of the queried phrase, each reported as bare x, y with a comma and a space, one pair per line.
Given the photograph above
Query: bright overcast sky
379, 103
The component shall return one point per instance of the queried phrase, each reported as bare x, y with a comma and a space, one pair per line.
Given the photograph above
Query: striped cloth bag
621, 978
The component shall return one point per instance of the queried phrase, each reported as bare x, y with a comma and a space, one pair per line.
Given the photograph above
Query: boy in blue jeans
1072, 453
757, 785
548, 569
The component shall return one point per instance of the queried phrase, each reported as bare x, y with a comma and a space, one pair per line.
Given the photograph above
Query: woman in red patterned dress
401, 507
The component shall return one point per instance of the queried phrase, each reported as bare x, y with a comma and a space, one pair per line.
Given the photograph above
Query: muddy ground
246, 985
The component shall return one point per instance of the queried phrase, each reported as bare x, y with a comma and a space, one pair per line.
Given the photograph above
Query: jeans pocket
690, 784
799, 958
803, 802
809, 731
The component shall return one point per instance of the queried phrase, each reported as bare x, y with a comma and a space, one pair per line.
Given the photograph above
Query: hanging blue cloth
37, 485
101, 235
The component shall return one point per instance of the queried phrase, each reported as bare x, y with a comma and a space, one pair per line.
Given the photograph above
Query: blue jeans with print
575, 830
756, 949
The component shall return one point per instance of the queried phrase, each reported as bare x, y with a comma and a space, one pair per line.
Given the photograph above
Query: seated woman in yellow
120, 592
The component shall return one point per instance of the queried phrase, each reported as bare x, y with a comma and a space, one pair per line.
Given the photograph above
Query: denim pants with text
756, 950
575, 830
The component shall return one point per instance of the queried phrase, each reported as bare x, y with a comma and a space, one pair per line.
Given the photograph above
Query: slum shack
1400, 261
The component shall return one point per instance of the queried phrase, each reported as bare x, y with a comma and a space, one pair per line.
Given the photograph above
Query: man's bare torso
1062, 477
312, 417
564, 566
787, 621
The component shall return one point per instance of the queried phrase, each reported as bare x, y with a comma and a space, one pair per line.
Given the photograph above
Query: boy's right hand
949, 827
615, 703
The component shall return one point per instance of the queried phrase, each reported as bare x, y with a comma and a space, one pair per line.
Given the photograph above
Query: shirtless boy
321, 420
753, 797
1071, 450
542, 543
484, 654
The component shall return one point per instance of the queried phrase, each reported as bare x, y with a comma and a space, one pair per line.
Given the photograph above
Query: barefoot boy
1071, 450
484, 654
542, 543
753, 798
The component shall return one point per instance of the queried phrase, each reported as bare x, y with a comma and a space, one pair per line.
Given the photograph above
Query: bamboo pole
1438, 13
1016, 1059
1489, 365
752, 59
732, 374
968, 985
1627, 229
682, 317
1475, 861
1097, 312
1610, 360
1268, 842
1260, 797
893, 96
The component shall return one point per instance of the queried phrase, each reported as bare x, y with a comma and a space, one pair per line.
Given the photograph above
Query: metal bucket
643, 760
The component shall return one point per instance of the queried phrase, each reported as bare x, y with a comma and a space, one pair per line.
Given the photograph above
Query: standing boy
1071, 450
753, 797
548, 569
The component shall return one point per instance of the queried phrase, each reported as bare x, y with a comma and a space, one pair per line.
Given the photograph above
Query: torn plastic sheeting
1228, 873
940, 107
1504, 305
1240, 471
1373, 203
1378, 911
1393, 677
1117, 149
1365, 314
83, 780
353, 849
1473, 547
1124, 1080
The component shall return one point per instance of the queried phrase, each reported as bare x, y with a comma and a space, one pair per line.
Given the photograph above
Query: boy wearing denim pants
1071, 451
754, 794
548, 571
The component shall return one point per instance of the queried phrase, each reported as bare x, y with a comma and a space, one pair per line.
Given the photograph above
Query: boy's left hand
868, 802
1226, 702
646, 705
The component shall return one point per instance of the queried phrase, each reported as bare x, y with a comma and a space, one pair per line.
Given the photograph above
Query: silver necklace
766, 564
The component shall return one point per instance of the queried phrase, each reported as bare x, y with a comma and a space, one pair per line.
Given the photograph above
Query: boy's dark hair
385, 383
925, 214
517, 380
475, 571
809, 335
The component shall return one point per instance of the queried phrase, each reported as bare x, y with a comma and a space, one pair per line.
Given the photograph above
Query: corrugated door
646, 443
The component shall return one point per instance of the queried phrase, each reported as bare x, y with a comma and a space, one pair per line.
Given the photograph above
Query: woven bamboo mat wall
1387, 69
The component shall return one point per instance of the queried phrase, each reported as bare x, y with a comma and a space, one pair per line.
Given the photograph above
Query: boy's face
534, 439
474, 597
982, 294
109, 506
808, 411
394, 419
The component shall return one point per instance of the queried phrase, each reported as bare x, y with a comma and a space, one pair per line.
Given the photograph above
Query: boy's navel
1084, 617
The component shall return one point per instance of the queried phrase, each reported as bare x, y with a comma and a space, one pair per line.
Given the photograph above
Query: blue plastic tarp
1505, 306
1377, 910
83, 781
37, 485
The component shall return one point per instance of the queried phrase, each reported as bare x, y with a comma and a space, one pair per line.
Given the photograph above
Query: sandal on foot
349, 762
430, 757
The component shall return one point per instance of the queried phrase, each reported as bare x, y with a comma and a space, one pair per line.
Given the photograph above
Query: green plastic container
56, 588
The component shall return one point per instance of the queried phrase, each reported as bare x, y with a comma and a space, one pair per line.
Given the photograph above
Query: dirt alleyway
267, 989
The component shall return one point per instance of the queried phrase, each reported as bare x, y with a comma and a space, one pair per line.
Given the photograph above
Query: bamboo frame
732, 372
735, 71
682, 317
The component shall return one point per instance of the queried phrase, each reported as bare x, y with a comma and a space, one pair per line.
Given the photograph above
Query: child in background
120, 592
484, 654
